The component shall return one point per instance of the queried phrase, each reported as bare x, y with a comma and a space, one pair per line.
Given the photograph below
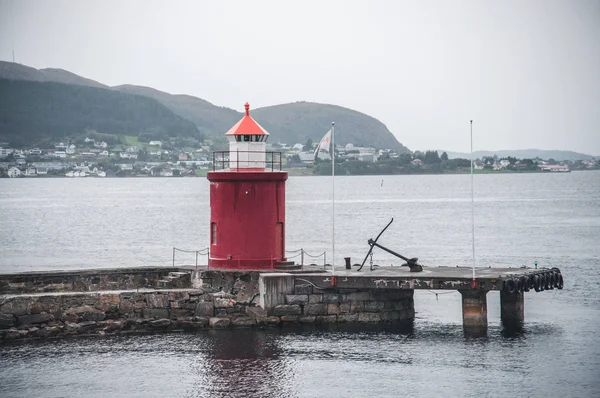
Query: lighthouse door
279, 240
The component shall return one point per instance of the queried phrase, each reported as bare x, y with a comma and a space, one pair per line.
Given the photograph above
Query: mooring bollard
348, 266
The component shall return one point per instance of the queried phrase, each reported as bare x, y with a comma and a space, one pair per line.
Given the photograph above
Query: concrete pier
474, 306
41, 304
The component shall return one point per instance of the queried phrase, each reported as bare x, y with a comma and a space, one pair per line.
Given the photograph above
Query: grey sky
527, 72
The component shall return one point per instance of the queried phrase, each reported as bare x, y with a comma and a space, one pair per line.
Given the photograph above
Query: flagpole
472, 204
333, 196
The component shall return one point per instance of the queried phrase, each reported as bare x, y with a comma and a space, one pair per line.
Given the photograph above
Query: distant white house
14, 172
4, 152
30, 172
155, 143
417, 162
504, 162
42, 171
35, 151
87, 139
60, 154
70, 151
125, 166
100, 144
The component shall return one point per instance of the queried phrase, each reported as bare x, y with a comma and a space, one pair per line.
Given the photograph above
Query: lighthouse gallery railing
221, 160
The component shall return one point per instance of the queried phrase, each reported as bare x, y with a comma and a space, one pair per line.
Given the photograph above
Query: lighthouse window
257, 138
238, 137
213, 233
246, 138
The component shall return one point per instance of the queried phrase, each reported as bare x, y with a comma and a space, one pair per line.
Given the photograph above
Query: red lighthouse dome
247, 201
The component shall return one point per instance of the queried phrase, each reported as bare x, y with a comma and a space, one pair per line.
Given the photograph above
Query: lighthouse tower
247, 201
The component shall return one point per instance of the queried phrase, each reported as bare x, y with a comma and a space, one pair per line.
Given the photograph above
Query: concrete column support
272, 288
474, 303
512, 309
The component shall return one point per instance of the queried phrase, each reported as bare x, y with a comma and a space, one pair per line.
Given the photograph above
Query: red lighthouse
247, 201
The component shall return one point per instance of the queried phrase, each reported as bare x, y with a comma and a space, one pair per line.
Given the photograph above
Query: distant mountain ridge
287, 123
523, 154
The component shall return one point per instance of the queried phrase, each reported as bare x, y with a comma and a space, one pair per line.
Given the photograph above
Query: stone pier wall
218, 299
93, 280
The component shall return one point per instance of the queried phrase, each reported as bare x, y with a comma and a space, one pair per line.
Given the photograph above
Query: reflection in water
241, 363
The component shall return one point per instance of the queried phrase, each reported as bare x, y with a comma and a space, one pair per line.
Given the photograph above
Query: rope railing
298, 253
201, 252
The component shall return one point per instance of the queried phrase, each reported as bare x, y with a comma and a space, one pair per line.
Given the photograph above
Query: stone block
332, 298
35, 308
126, 306
358, 296
174, 304
243, 321
16, 306
205, 308
374, 306
315, 309
7, 321
160, 323
87, 327
258, 314
399, 305
357, 306
315, 299
307, 319
156, 300
333, 309
49, 331
84, 313
347, 318
34, 318
298, 299
273, 320
369, 317
391, 316
179, 313
290, 318
221, 312
344, 308
178, 296
219, 323
156, 313
326, 319
281, 310
224, 302
303, 289
108, 303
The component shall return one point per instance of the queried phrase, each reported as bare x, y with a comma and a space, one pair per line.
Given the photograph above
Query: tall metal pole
333, 196
472, 204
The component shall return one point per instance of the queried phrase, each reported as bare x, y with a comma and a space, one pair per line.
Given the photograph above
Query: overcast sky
527, 72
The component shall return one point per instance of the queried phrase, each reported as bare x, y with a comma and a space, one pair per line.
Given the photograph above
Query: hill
32, 112
298, 121
14, 71
524, 154
287, 123
210, 119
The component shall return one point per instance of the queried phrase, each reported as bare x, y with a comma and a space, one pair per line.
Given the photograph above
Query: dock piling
474, 303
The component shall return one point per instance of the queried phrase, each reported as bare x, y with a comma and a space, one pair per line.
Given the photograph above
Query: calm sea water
519, 218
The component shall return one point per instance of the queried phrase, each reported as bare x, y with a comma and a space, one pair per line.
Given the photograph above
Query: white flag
324, 144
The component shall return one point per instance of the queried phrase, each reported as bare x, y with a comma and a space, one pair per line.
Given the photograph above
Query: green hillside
298, 121
31, 112
210, 119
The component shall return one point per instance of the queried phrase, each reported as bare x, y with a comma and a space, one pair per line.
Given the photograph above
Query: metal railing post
196, 259
324, 259
302, 257
173, 256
